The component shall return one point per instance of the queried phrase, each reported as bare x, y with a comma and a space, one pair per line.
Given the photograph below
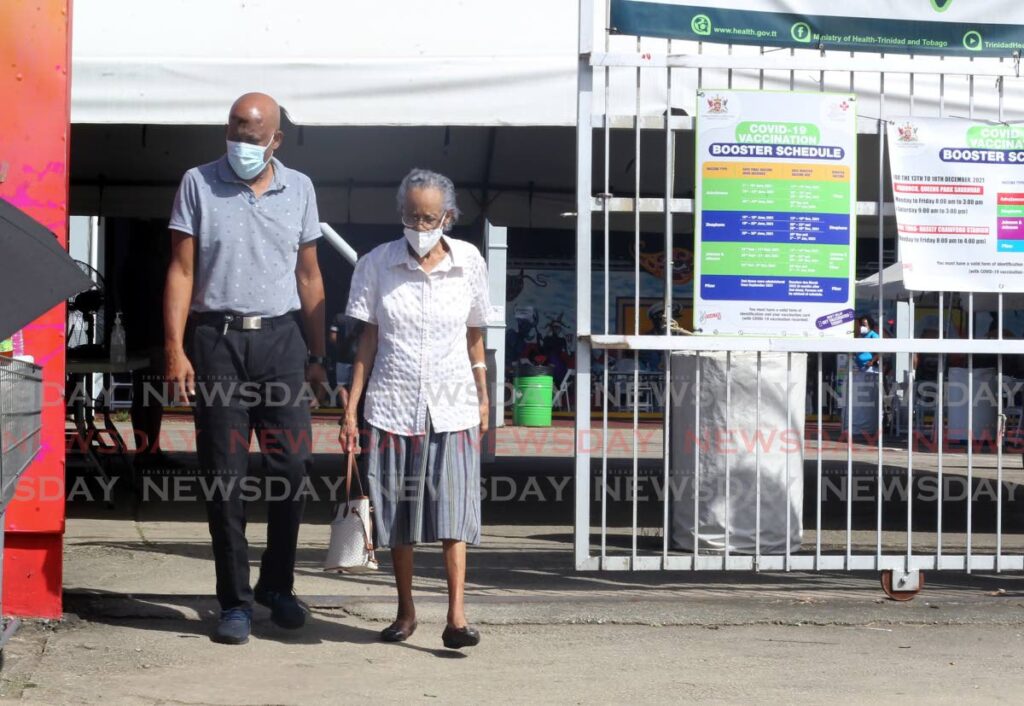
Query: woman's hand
485, 415
348, 436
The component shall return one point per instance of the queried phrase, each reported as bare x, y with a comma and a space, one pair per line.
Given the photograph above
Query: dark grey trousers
251, 382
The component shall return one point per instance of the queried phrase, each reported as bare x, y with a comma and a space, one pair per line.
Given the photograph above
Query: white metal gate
641, 91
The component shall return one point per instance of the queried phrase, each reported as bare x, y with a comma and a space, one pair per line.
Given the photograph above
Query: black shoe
233, 627
396, 633
285, 610
457, 638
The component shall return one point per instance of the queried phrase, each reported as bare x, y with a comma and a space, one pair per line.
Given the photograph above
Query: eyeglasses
428, 222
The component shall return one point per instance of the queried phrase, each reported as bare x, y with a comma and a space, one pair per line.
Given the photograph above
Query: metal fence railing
901, 504
21, 426
21, 407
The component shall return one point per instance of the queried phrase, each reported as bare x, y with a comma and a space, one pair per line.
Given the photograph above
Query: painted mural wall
541, 305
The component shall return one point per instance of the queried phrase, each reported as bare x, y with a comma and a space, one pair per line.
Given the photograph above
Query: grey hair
426, 179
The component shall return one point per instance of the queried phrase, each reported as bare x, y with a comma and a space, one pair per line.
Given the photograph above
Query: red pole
35, 71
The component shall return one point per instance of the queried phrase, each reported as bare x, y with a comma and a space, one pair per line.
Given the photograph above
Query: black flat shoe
396, 633
457, 638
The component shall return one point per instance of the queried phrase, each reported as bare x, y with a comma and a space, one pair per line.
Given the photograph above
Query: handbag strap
349, 473
367, 540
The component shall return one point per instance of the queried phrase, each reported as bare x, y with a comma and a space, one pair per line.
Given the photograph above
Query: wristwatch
317, 360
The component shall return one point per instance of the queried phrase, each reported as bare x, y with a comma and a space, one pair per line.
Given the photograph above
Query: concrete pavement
139, 579
336, 660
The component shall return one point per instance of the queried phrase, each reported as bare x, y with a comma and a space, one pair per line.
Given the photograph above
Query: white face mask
864, 330
423, 241
246, 159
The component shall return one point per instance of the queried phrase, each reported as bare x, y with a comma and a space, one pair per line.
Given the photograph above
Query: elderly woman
424, 301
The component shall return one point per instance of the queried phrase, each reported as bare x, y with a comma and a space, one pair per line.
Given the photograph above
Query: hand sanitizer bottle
118, 352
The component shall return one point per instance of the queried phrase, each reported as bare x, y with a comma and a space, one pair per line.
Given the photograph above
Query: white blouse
422, 362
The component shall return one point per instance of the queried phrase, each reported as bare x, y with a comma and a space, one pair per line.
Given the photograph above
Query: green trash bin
533, 392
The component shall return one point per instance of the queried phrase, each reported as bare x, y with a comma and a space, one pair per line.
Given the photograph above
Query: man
243, 264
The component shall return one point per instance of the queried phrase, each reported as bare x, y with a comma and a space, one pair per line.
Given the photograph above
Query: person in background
625, 362
140, 294
925, 380
865, 384
926, 365
243, 273
991, 360
867, 362
1011, 363
343, 342
424, 301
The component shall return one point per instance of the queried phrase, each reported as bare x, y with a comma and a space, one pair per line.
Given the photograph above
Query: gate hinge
906, 580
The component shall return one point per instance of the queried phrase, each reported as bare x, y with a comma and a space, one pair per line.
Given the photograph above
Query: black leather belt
240, 322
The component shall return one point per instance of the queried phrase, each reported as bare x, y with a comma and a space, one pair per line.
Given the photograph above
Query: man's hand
177, 295
180, 374
316, 376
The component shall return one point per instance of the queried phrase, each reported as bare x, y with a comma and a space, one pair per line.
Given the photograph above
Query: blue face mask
247, 160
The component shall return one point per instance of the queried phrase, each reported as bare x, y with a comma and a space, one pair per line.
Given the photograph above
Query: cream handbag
351, 546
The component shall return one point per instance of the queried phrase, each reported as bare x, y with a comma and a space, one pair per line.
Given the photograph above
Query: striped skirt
425, 488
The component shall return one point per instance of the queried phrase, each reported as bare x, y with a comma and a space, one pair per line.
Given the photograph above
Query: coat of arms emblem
906, 133
718, 105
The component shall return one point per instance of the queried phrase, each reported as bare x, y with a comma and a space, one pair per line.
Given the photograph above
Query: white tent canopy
484, 91
401, 62
409, 62
893, 288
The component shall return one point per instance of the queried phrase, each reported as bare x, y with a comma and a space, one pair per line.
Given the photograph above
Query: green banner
782, 195
908, 26
996, 137
794, 261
